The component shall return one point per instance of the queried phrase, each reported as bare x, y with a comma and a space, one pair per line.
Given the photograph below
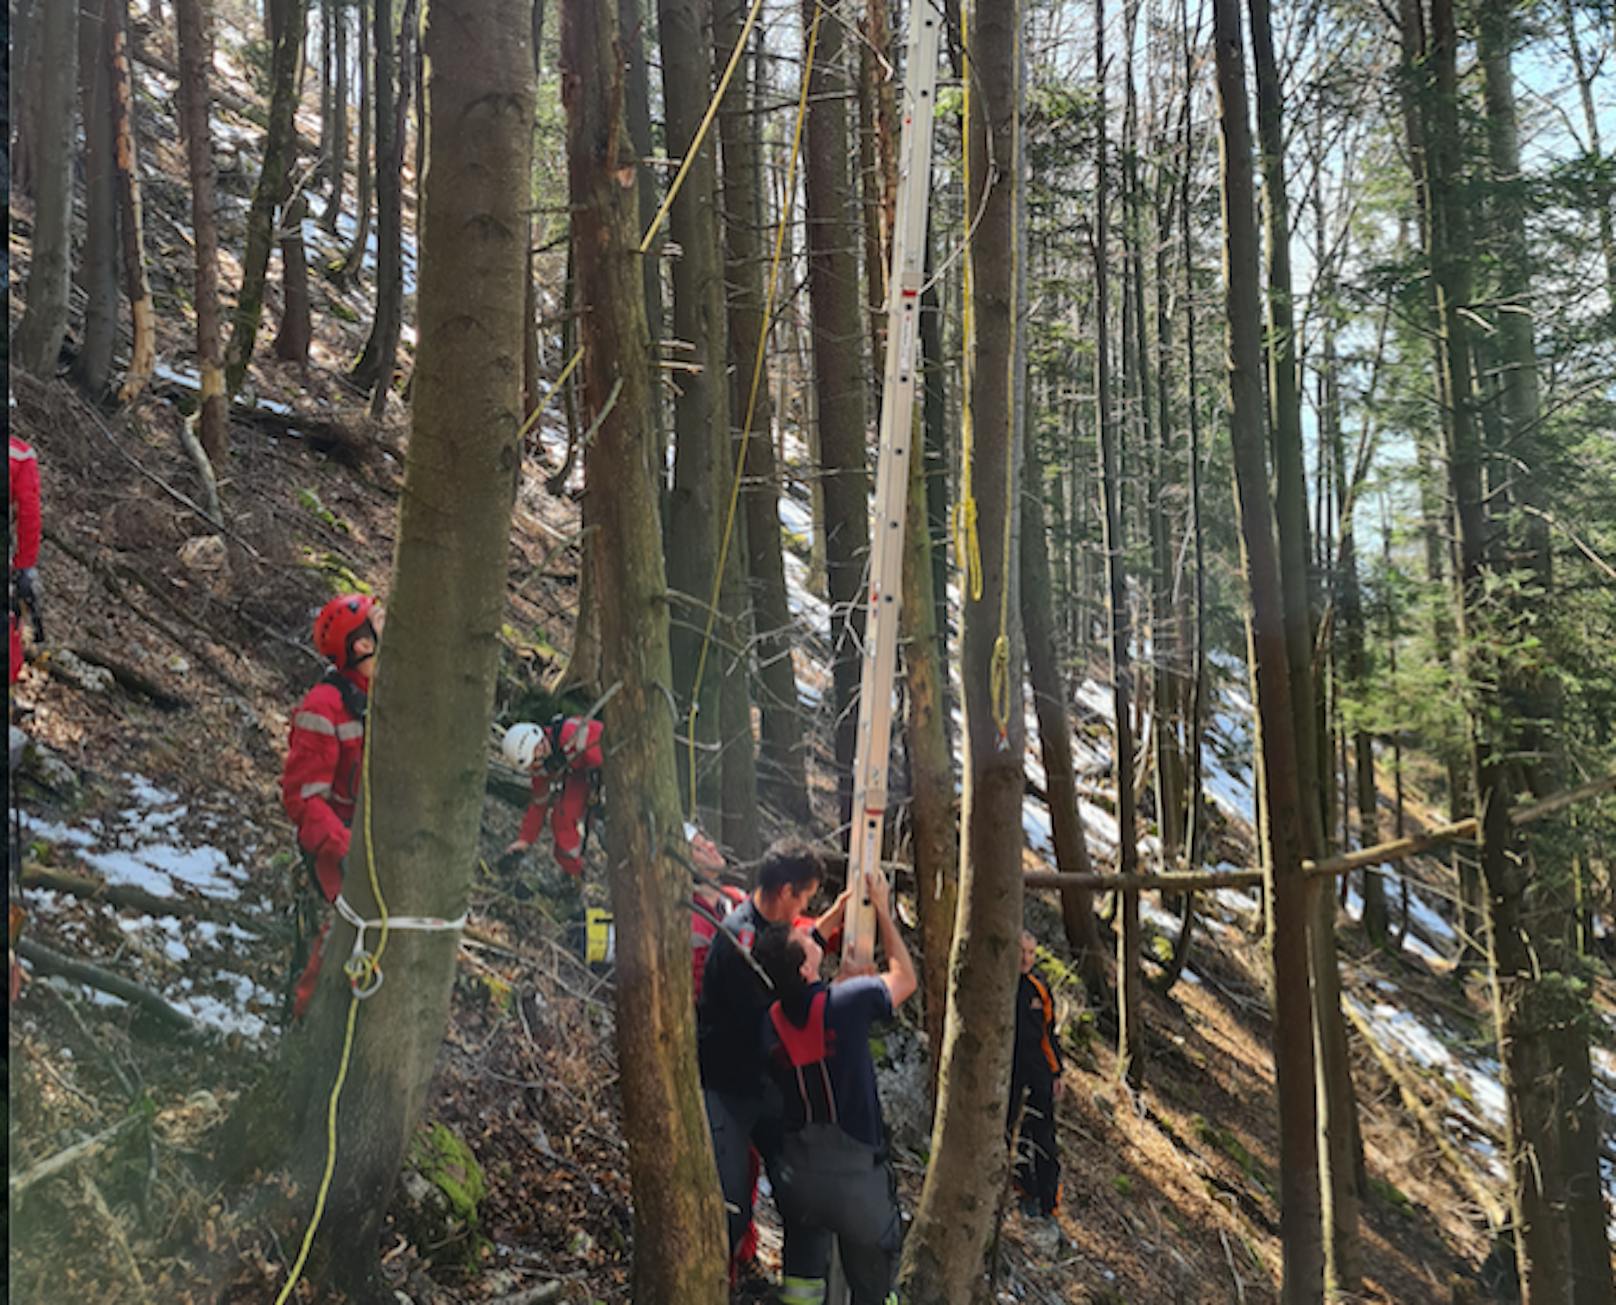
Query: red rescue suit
562, 789
22, 487
320, 788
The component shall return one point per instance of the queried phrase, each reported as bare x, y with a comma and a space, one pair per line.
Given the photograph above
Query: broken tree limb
1176, 883
125, 897
1490, 1205
1398, 849
47, 961
62, 1160
128, 677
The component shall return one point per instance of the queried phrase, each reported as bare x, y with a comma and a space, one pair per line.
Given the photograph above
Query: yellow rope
555, 389
780, 229
369, 965
999, 672
706, 122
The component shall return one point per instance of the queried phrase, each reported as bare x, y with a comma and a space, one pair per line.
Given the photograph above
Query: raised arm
899, 975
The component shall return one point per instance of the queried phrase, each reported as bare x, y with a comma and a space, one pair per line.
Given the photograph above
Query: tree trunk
943, 1255
1521, 1000
126, 158
296, 331
286, 67
932, 821
1341, 1149
637, 119
1530, 454
427, 755
696, 506
338, 161
679, 1239
1130, 1029
22, 104
38, 342
374, 370
364, 156
1055, 734
1301, 1229
196, 57
781, 762
98, 267
878, 167
839, 382
1604, 191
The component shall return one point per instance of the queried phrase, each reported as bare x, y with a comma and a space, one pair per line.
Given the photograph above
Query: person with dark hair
741, 1108
834, 1177
1035, 1083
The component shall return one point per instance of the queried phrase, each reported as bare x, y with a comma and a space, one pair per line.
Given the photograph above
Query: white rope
364, 974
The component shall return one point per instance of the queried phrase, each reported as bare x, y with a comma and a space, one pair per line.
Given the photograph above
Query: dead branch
62, 1160
47, 961
128, 677
124, 897
115, 1234
204, 472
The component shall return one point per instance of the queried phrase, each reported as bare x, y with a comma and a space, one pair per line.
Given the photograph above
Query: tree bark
943, 1255
782, 767
1521, 1000
363, 158
1055, 733
38, 342
286, 65
839, 381
374, 370
297, 329
196, 57
1301, 1229
679, 1238
427, 755
98, 266
631, 24
1130, 1029
1530, 454
1341, 1150
337, 163
126, 159
696, 505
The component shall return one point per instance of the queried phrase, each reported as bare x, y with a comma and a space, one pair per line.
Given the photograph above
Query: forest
812, 651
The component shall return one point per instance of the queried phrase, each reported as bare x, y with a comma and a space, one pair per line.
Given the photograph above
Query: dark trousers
738, 1124
833, 1185
1032, 1098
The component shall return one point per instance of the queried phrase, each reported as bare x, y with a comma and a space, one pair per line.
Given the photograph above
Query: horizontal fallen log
126, 897
47, 961
128, 677
63, 1160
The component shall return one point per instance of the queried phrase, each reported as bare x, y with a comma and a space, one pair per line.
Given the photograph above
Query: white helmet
525, 745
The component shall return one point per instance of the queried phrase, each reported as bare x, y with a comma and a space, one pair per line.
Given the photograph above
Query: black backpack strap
355, 701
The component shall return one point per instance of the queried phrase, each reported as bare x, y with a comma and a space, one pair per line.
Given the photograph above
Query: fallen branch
115, 1234
47, 961
1382, 854
1432, 1126
125, 897
204, 472
128, 677
62, 1160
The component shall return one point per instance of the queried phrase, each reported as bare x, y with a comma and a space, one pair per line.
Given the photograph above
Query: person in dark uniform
1035, 1084
742, 1108
834, 1178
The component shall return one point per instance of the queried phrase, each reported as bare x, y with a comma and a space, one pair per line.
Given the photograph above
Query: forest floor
1170, 1194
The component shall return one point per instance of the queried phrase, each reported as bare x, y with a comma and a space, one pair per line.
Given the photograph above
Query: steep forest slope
154, 849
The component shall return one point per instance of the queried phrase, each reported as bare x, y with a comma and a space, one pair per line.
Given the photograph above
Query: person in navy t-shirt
835, 1179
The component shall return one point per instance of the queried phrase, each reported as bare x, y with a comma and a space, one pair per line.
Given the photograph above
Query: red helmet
339, 623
